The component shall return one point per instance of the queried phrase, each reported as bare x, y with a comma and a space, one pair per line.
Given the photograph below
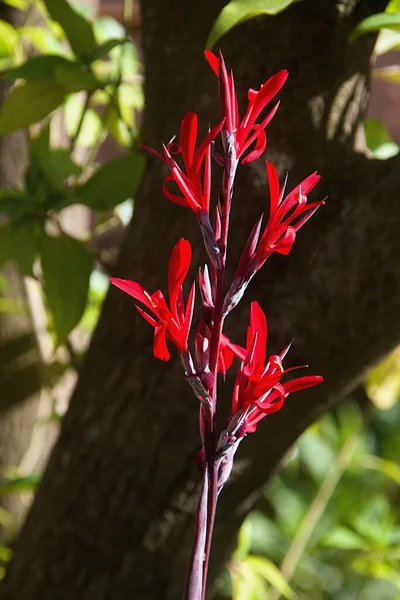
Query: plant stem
195, 581
74, 138
316, 510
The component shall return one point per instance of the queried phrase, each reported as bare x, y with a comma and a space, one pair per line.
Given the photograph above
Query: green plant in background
89, 71
330, 519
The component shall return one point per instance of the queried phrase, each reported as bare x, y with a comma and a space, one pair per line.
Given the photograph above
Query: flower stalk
259, 388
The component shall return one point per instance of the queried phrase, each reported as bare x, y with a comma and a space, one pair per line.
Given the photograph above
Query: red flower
238, 137
174, 322
194, 181
258, 389
287, 215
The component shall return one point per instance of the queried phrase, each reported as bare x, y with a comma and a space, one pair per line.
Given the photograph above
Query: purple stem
195, 582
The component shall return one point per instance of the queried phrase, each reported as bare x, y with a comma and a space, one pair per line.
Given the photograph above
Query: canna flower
287, 215
171, 322
194, 180
238, 136
258, 389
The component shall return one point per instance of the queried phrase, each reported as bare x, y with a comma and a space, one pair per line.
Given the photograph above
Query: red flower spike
238, 136
171, 322
258, 388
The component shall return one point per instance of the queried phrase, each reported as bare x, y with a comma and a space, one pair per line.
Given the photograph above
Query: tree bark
113, 517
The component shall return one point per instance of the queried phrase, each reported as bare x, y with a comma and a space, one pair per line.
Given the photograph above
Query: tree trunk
113, 517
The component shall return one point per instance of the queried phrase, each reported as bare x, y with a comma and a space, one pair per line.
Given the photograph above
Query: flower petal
178, 267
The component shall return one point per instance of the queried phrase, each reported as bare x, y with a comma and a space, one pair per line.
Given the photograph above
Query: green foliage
238, 11
29, 103
352, 550
375, 23
378, 140
66, 265
78, 30
113, 183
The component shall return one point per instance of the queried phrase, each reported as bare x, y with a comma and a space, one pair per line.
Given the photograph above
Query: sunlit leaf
238, 11
375, 23
42, 39
270, 572
9, 40
382, 383
343, 538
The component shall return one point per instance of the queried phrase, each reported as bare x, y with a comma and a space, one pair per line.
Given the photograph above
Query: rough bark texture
113, 517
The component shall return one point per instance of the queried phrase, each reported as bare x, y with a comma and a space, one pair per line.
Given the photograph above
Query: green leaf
24, 244
343, 538
58, 167
37, 68
244, 541
16, 204
9, 40
386, 467
113, 183
379, 140
29, 103
77, 29
20, 4
5, 243
238, 11
270, 572
66, 265
13, 485
75, 77
375, 23
42, 39
105, 48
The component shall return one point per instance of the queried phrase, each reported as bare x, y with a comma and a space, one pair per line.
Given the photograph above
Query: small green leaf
113, 183
105, 48
270, 572
37, 68
379, 140
77, 29
375, 23
244, 541
13, 485
66, 265
9, 40
343, 538
29, 103
239, 11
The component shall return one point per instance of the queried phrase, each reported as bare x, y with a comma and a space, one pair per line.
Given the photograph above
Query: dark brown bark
113, 517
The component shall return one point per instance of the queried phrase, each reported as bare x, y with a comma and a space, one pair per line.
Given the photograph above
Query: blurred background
327, 527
